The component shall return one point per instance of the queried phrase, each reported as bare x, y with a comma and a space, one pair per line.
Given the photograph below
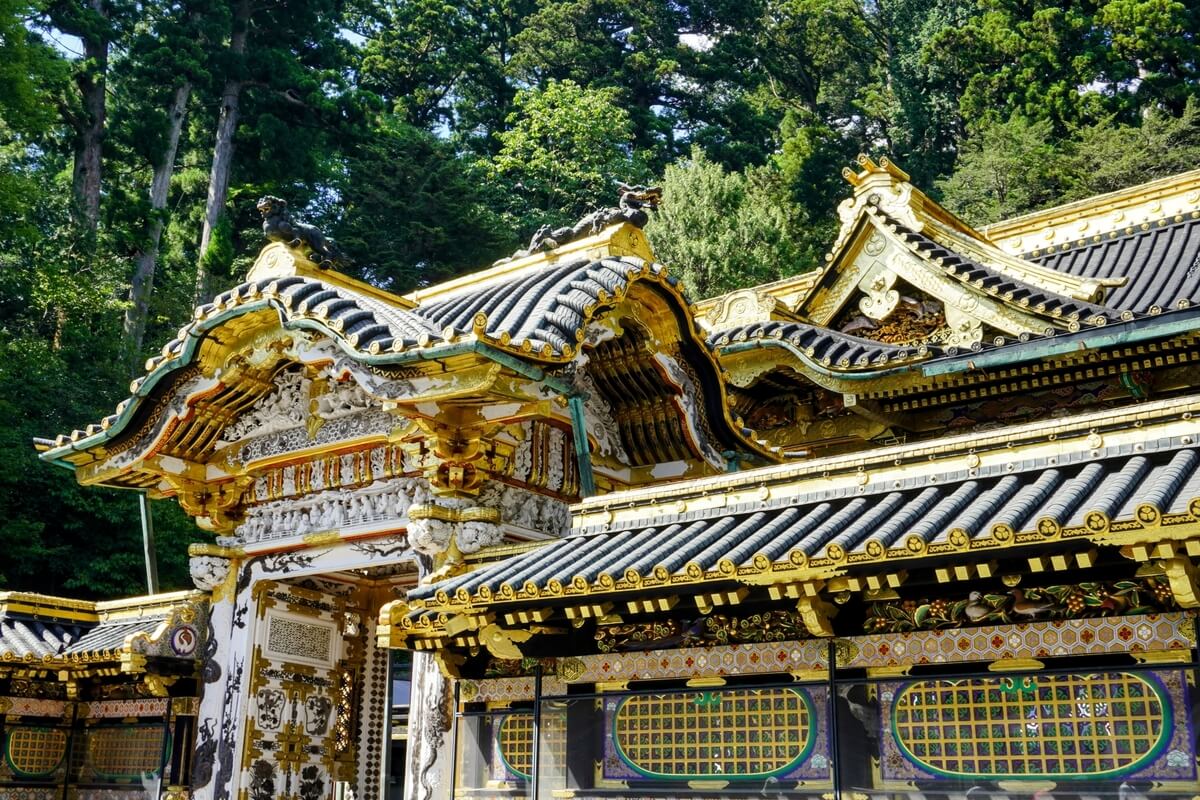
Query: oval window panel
731, 735
514, 739
1030, 727
34, 752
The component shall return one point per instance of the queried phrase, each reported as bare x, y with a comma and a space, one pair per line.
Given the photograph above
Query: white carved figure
523, 455
430, 536
556, 474
284, 406
601, 422
383, 501
691, 409
525, 509
342, 398
475, 535
208, 572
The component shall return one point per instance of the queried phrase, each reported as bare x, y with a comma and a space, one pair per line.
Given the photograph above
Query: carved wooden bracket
817, 615
1181, 574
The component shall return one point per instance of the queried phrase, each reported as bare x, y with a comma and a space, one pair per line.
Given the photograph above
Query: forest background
430, 137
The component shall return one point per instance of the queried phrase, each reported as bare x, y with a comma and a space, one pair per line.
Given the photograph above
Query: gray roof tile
813, 523
1160, 264
25, 638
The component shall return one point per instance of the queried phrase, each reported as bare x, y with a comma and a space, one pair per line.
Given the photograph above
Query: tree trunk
222, 163
143, 274
89, 135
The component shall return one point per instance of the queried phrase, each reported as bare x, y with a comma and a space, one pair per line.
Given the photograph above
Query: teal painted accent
816, 366
1015, 353
705, 700
1135, 389
583, 451
1012, 686
1164, 737
1139, 330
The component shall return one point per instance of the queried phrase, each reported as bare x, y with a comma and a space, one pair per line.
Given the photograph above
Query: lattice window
745, 733
35, 752
127, 751
289, 637
514, 739
343, 726
1049, 725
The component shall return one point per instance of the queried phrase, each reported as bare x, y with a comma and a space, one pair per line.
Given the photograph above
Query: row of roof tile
859, 524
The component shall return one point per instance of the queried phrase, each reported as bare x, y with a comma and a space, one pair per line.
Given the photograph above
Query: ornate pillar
427, 769
213, 570
444, 530
373, 745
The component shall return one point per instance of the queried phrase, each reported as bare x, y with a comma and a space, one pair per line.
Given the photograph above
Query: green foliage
1074, 62
31, 73
566, 150
1012, 167
220, 254
423, 220
678, 68
59, 368
721, 230
1108, 156
1005, 168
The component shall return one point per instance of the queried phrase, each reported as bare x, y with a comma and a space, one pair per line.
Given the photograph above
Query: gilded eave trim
1093, 206
1011, 440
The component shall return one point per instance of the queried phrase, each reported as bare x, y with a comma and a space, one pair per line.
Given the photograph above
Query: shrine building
922, 522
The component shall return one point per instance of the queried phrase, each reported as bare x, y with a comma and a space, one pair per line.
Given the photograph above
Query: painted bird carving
1028, 608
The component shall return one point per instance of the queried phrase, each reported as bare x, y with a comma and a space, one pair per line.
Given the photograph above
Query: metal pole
72, 724
148, 543
385, 758
454, 725
834, 749
537, 731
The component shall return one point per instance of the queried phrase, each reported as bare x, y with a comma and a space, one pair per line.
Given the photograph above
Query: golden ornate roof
914, 320
1047, 497
40, 632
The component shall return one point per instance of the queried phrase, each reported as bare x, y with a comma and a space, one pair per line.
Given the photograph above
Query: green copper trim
583, 453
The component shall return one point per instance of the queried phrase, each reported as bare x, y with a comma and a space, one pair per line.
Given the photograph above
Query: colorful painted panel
730, 735
32, 707
31, 793
126, 752
697, 662
1044, 639
1095, 726
35, 752
120, 709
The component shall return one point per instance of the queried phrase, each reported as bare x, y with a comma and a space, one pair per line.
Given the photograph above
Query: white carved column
427, 770
445, 529
215, 574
